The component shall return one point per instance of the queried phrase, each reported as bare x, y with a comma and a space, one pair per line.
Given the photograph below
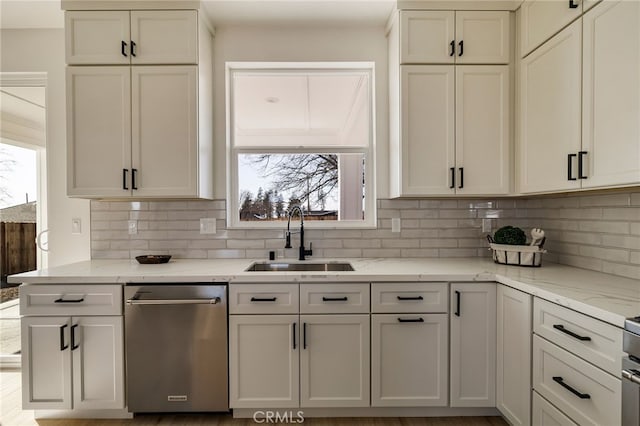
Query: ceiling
47, 13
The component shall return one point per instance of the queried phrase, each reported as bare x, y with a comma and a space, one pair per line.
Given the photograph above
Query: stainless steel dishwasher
176, 347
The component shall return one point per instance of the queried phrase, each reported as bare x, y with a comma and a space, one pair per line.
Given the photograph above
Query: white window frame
232, 152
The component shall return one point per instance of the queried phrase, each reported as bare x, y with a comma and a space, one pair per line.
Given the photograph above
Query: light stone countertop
606, 297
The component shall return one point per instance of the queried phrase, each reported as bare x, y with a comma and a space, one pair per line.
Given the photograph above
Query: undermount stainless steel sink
303, 267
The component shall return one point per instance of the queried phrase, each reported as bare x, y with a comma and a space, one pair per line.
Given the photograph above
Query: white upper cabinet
482, 37
483, 106
98, 130
611, 94
447, 37
550, 107
427, 37
541, 19
97, 37
164, 37
137, 37
580, 103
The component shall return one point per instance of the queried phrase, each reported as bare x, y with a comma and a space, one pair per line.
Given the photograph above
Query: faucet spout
302, 251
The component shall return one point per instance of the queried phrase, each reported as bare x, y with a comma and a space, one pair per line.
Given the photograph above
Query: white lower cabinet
334, 361
409, 360
545, 414
513, 355
263, 366
473, 345
72, 362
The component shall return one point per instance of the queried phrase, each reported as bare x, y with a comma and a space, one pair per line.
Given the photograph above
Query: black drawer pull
571, 389
263, 299
461, 178
133, 48
294, 336
134, 172
561, 328
73, 337
573, 5
123, 47
304, 335
62, 345
581, 155
570, 158
452, 170
334, 299
410, 298
461, 45
457, 312
410, 320
124, 179
61, 300
453, 48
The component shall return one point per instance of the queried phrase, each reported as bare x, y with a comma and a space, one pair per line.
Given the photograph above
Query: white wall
301, 44
36, 50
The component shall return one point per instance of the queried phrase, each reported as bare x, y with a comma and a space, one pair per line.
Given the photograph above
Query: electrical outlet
395, 224
208, 225
133, 227
76, 225
486, 225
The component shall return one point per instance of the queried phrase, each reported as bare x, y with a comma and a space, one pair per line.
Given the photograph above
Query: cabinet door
409, 360
426, 37
334, 361
263, 361
482, 37
513, 376
473, 345
97, 37
98, 131
550, 100
164, 37
164, 131
611, 94
427, 117
46, 363
98, 362
482, 129
541, 19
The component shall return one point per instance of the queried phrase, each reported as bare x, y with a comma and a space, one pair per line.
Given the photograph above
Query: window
300, 134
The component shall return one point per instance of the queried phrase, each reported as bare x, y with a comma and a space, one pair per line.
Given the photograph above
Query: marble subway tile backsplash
600, 232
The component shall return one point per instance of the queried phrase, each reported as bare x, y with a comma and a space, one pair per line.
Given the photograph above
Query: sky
19, 178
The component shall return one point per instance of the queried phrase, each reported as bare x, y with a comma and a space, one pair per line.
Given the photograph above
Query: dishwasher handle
214, 301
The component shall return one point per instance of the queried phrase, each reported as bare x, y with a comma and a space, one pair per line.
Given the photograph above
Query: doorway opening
23, 220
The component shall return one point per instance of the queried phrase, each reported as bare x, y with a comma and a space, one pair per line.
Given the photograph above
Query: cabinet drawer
409, 297
71, 299
588, 395
545, 414
596, 341
263, 299
334, 298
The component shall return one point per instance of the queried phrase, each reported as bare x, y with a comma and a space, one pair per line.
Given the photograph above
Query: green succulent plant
510, 235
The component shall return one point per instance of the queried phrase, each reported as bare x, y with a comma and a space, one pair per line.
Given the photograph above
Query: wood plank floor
12, 415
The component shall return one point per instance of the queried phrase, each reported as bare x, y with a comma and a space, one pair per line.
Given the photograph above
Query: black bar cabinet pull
123, 48
263, 299
124, 179
581, 155
73, 337
457, 312
560, 381
133, 178
334, 299
62, 345
461, 46
410, 298
461, 177
573, 5
561, 328
570, 158
61, 300
453, 48
133, 48
410, 320
294, 336
452, 170
304, 335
